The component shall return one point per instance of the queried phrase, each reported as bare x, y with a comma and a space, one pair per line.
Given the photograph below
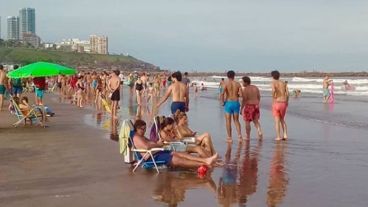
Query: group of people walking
249, 108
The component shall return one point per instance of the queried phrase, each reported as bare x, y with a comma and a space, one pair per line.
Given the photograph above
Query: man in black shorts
114, 87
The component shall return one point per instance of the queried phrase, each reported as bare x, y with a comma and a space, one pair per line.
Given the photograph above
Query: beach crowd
239, 99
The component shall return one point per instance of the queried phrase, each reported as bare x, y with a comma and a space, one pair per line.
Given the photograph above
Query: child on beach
184, 132
150, 92
250, 107
221, 87
326, 92
168, 134
280, 99
24, 106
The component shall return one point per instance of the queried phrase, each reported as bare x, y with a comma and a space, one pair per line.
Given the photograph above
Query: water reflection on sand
278, 179
172, 186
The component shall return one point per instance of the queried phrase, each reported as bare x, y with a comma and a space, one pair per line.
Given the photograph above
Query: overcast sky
214, 35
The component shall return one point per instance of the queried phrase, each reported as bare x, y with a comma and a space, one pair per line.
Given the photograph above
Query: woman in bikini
204, 140
167, 134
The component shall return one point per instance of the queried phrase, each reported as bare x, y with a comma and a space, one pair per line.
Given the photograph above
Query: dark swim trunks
163, 156
2, 89
115, 95
177, 105
251, 112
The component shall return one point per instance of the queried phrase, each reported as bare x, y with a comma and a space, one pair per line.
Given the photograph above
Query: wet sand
74, 162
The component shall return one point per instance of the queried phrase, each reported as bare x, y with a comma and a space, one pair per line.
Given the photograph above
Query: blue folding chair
147, 153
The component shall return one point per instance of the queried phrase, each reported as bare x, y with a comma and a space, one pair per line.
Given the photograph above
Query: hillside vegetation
25, 56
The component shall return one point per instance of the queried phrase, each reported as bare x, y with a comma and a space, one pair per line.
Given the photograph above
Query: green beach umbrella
41, 69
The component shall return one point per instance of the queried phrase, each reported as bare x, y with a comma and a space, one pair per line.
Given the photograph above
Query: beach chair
32, 115
126, 142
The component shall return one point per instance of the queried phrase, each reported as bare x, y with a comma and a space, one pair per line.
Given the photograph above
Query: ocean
306, 85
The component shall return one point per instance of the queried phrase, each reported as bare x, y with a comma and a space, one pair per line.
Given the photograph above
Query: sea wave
306, 85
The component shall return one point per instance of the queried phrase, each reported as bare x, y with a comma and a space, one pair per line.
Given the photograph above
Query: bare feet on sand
278, 139
211, 160
229, 140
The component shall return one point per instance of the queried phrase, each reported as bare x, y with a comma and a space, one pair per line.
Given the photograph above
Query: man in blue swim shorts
230, 98
40, 84
169, 158
179, 92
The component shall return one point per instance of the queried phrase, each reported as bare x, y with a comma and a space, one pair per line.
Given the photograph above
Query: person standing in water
250, 106
280, 99
114, 88
179, 92
230, 99
221, 87
326, 91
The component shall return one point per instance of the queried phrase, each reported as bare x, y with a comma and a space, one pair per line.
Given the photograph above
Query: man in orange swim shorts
280, 99
250, 106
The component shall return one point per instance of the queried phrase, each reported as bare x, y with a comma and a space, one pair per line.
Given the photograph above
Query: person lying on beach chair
184, 132
167, 134
25, 112
172, 159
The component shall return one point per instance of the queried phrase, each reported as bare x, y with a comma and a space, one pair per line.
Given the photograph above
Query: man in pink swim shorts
280, 99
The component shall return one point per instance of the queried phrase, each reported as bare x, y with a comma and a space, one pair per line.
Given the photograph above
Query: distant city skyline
214, 35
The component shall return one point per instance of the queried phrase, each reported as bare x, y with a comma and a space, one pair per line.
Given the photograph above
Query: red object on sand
202, 171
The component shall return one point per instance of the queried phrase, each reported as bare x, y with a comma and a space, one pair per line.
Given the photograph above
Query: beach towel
124, 135
106, 105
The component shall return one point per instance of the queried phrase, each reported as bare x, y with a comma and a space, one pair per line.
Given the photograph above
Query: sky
214, 35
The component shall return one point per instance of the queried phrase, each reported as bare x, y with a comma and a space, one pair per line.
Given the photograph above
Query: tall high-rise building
27, 21
99, 44
13, 27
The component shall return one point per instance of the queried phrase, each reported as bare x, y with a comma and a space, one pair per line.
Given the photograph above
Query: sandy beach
73, 161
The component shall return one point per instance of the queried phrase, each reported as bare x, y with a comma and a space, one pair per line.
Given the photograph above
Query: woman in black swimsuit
80, 91
139, 90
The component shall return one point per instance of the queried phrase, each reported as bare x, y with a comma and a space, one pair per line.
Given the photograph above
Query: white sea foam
306, 85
